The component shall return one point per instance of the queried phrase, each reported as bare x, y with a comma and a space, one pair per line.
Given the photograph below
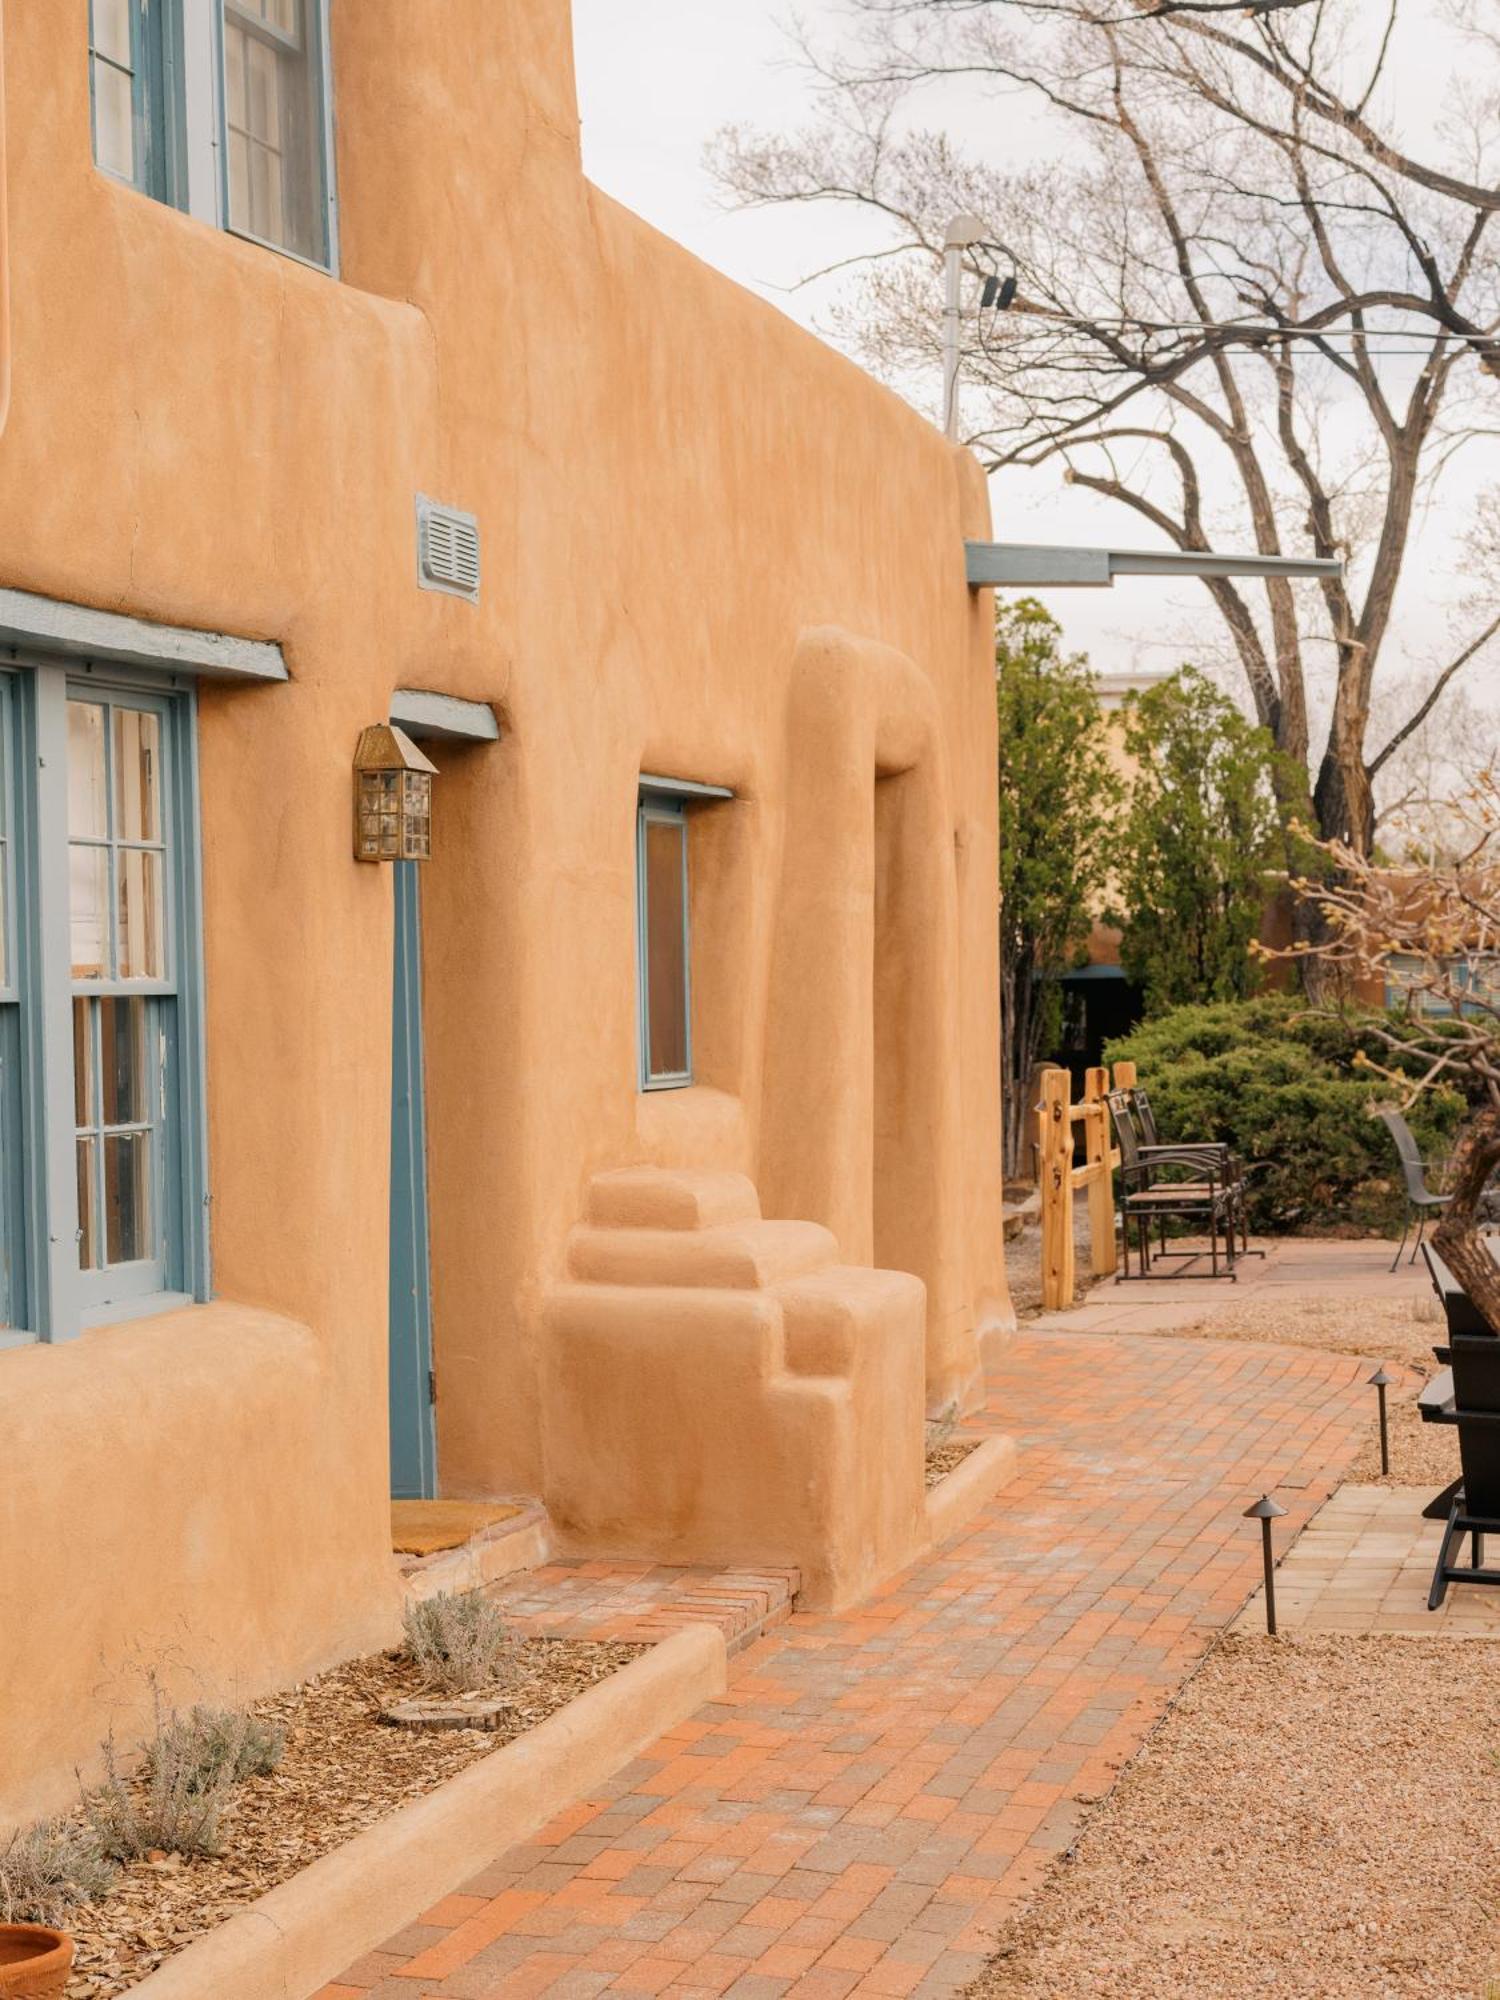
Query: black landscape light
1380, 1382
1266, 1510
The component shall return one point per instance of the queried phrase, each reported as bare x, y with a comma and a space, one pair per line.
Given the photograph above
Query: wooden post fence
1057, 1115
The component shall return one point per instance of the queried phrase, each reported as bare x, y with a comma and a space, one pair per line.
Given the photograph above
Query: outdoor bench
1466, 1394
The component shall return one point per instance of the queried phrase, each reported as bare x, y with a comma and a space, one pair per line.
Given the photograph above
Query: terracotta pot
34, 1962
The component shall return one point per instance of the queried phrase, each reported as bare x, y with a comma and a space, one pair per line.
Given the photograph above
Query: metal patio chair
1175, 1184
1467, 1395
1421, 1200
1231, 1169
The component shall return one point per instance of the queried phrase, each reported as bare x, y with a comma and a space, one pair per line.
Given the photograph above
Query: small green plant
193, 1764
49, 1868
217, 1743
457, 1639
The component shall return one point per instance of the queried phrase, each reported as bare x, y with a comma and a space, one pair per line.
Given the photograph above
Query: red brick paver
876, 1791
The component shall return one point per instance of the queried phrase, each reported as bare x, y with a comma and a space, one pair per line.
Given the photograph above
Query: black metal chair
1467, 1395
1230, 1168
1420, 1198
1175, 1184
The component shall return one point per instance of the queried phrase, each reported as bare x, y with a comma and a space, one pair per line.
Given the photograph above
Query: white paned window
275, 127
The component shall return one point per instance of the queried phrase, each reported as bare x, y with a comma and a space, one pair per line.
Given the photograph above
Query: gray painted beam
1043, 566
422, 713
48, 625
683, 788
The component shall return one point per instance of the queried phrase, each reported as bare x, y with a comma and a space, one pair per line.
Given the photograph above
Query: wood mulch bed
1316, 1818
946, 1454
342, 1770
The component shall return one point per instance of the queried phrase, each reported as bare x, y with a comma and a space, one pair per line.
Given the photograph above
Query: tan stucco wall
675, 488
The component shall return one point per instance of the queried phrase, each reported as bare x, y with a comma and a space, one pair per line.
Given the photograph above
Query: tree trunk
1456, 1239
1344, 800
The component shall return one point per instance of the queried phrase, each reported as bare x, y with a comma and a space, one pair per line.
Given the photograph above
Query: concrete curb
954, 1501
302, 1934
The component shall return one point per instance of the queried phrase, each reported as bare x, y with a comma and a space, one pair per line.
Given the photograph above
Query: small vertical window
131, 49
276, 125
12, 1171
664, 948
124, 994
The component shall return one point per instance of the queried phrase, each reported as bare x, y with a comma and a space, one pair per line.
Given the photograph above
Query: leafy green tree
1195, 846
1058, 794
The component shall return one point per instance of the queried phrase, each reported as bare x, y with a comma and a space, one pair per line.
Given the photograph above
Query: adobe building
653, 1121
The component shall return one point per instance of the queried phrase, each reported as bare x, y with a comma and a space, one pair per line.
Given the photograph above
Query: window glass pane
263, 94
88, 796
127, 1198
274, 118
141, 940
137, 775
122, 1032
666, 947
114, 120
85, 1092
88, 897
88, 1204
4, 906
111, 20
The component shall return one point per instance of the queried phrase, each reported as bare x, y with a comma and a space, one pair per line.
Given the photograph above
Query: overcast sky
656, 80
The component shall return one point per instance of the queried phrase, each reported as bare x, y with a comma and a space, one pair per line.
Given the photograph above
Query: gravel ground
1397, 1332
1316, 1819
342, 1770
1023, 1263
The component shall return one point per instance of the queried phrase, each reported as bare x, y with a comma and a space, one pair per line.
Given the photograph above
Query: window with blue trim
664, 943
100, 1014
133, 69
12, 1174
249, 145
276, 130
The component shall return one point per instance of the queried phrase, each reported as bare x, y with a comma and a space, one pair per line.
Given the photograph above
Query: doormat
424, 1527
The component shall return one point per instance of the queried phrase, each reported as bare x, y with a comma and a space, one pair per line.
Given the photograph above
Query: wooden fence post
1057, 1190
1098, 1142
1124, 1076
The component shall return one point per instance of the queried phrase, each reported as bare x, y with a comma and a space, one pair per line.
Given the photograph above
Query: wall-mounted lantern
392, 797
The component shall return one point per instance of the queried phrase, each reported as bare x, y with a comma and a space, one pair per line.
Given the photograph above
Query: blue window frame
13, 1287
277, 125
135, 63
106, 1213
663, 943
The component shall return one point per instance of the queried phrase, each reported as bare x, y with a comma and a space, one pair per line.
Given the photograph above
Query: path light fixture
1380, 1382
1266, 1510
392, 797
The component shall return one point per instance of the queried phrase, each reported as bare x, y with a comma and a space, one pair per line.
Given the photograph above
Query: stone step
676, 1198
743, 1256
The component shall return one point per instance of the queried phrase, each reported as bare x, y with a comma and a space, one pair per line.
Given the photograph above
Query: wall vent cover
447, 549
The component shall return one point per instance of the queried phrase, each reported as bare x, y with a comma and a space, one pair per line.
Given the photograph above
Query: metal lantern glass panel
392, 797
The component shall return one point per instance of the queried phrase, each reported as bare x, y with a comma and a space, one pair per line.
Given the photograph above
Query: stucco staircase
720, 1388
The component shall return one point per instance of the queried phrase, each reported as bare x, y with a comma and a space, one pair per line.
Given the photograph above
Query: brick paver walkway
876, 1791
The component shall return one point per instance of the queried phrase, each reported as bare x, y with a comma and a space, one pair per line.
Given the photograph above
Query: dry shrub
193, 1764
48, 1869
458, 1639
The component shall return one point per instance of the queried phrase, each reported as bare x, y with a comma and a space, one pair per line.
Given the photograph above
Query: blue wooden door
413, 1432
